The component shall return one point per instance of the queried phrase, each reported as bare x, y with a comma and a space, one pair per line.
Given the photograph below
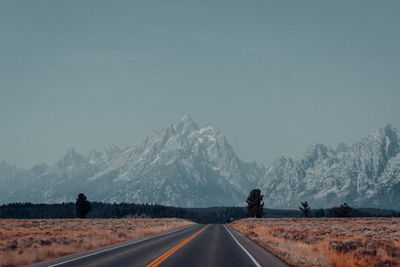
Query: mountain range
188, 166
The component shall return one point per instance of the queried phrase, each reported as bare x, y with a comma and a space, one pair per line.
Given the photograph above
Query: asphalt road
198, 245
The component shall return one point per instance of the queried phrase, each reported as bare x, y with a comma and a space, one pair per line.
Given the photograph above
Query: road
198, 245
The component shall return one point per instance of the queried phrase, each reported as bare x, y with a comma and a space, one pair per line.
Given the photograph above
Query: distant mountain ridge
365, 174
188, 166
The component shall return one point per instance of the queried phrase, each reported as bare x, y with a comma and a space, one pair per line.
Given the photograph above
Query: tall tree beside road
254, 204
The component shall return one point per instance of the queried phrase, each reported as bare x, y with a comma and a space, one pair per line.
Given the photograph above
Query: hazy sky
273, 76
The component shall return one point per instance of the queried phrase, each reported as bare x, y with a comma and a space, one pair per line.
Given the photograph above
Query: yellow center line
164, 256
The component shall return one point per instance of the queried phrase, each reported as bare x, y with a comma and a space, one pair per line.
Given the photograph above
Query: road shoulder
92, 252
263, 256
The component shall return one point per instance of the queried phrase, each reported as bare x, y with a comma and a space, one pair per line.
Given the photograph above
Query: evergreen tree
254, 204
82, 206
320, 213
305, 208
343, 211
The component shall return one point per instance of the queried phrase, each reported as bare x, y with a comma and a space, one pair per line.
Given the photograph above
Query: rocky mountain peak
185, 124
381, 144
71, 159
383, 133
314, 153
386, 130
389, 139
184, 165
112, 150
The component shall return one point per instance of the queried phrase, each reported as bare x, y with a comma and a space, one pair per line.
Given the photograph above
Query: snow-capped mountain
181, 165
366, 174
188, 166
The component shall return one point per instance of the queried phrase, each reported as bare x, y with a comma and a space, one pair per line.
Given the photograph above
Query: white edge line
124, 245
240, 245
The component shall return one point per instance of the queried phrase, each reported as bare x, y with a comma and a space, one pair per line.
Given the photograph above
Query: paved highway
198, 245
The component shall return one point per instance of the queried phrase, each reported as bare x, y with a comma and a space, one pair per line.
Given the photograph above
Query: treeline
120, 210
217, 214
355, 212
200, 215
330, 213
98, 210
255, 209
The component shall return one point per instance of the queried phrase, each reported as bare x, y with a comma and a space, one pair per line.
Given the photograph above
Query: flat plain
25, 242
327, 241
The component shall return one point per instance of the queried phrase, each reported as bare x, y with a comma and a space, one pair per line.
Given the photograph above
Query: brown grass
25, 242
329, 241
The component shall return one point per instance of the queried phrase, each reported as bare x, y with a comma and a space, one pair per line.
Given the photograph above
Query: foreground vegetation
327, 241
25, 242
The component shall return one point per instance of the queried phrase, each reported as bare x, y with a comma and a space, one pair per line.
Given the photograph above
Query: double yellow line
164, 256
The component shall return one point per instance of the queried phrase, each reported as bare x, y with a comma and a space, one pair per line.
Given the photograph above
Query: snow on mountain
188, 166
365, 174
181, 165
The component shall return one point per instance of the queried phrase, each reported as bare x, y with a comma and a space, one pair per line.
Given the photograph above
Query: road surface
198, 245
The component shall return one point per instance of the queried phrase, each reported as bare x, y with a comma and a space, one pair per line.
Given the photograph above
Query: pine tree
320, 213
254, 204
82, 206
305, 208
343, 211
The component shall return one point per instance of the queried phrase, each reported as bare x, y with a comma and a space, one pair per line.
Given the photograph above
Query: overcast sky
273, 76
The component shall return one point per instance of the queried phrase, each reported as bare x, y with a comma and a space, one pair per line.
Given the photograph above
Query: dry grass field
328, 241
24, 242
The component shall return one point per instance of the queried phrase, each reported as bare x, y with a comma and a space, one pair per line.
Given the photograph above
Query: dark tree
320, 213
254, 204
343, 211
82, 206
305, 208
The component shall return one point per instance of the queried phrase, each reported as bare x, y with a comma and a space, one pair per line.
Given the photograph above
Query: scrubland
327, 241
24, 242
